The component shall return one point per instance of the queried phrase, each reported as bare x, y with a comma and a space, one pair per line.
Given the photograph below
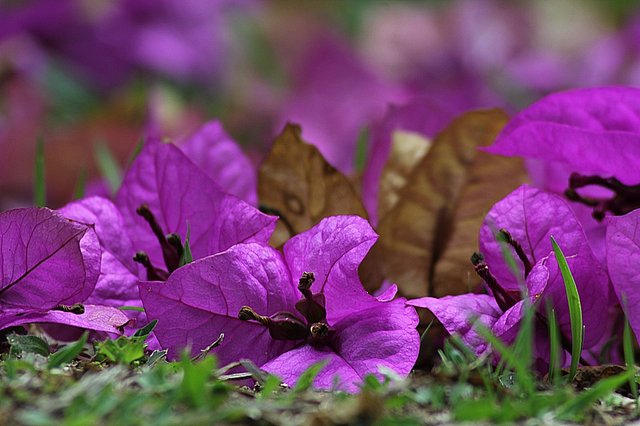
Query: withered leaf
407, 150
426, 238
298, 184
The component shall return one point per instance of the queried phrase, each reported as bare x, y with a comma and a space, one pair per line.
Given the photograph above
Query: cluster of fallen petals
184, 243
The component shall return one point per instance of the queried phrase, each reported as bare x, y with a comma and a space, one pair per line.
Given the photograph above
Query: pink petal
594, 131
459, 313
180, 194
221, 158
117, 284
623, 263
97, 318
202, 299
46, 260
333, 251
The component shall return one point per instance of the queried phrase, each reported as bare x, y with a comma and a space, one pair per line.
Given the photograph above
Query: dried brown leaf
440, 210
407, 150
298, 184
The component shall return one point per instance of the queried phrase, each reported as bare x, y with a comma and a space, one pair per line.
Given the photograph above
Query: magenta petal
202, 299
386, 292
97, 318
290, 365
117, 285
221, 158
333, 251
508, 325
46, 260
531, 217
458, 314
383, 335
594, 131
623, 263
180, 194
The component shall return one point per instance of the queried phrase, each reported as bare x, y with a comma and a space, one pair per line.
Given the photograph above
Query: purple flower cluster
182, 240
176, 242
582, 151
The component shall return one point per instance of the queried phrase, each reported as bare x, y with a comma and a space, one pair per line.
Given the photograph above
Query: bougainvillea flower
163, 198
49, 266
592, 135
584, 144
525, 220
288, 311
623, 262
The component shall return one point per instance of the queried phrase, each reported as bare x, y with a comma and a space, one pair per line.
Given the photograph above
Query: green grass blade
146, 330
555, 349
627, 345
576, 407
575, 309
523, 345
306, 379
108, 166
136, 151
522, 370
508, 257
81, 185
67, 353
361, 148
39, 187
187, 256
131, 308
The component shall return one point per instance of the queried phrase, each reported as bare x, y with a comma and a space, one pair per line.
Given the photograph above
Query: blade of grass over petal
39, 188
627, 345
136, 151
575, 309
505, 249
146, 330
523, 372
187, 256
108, 166
131, 308
81, 185
555, 345
523, 345
361, 148
308, 376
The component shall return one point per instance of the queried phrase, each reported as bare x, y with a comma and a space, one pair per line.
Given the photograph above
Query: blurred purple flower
49, 266
250, 294
184, 40
525, 220
334, 98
